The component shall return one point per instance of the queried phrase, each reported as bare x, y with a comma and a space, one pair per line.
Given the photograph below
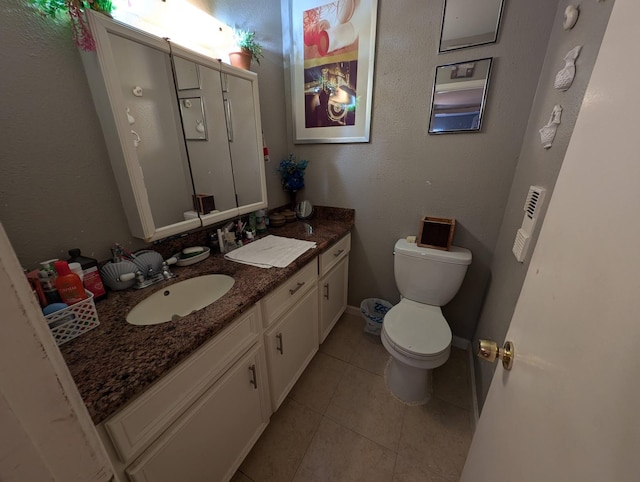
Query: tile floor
340, 423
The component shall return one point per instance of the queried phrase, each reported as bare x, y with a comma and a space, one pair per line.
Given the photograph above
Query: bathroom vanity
187, 399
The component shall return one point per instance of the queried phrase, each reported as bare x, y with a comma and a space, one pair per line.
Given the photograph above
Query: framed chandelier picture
332, 62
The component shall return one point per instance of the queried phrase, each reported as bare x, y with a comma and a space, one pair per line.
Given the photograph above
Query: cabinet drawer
335, 253
134, 427
278, 302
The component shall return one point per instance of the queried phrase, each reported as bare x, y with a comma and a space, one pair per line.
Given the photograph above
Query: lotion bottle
68, 284
91, 279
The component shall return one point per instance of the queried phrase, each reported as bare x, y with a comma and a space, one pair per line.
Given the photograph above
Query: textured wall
405, 173
537, 166
57, 190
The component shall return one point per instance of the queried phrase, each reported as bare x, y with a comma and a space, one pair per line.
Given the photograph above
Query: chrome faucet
152, 276
166, 272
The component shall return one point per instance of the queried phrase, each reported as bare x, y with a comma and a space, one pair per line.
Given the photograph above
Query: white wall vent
532, 207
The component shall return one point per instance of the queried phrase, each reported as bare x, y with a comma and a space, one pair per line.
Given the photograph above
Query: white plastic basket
73, 321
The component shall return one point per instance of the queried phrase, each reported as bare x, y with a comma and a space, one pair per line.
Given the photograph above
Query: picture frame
331, 65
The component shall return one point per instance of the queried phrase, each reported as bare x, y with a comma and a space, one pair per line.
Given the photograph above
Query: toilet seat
417, 330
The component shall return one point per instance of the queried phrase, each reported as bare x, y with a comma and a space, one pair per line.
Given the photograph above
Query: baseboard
352, 310
474, 391
461, 343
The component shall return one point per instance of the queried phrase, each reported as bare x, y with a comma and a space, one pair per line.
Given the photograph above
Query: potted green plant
250, 49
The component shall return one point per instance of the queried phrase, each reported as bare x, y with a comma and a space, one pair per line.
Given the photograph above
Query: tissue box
436, 233
203, 203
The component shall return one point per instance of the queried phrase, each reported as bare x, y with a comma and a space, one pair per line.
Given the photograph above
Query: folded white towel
270, 251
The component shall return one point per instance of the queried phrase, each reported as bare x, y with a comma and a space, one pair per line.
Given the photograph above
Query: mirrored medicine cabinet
183, 131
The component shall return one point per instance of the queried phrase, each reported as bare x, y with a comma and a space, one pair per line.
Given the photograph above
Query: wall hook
130, 118
137, 91
200, 125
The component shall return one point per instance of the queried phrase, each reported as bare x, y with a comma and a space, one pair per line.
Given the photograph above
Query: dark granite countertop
116, 361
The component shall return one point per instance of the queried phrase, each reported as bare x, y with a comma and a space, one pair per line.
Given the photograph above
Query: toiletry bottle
68, 284
261, 226
91, 279
47, 276
32, 277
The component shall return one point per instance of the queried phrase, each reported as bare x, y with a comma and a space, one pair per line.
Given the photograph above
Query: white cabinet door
244, 132
290, 345
132, 85
211, 439
332, 294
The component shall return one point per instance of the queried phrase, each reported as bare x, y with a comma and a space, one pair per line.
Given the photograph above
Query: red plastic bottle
68, 284
92, 280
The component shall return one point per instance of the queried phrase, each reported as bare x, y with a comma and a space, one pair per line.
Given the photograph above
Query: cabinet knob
338, 253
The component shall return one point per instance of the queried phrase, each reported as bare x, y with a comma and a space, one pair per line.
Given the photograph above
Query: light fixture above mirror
459, 96
468, 23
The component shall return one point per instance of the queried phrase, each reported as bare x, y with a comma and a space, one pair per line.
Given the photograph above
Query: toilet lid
416, 329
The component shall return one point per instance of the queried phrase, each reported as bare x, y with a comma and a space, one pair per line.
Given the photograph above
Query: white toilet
414, 331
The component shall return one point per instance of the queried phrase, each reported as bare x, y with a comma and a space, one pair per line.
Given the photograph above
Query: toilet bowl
418, 339
415, 332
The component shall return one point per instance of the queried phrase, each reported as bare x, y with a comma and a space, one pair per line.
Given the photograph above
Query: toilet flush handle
489, 350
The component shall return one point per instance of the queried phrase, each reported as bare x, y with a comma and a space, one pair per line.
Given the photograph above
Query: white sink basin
180, 299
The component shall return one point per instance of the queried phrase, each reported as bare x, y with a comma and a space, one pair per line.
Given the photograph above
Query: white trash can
373, 311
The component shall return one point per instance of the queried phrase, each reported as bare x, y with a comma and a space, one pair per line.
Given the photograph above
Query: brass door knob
489, 350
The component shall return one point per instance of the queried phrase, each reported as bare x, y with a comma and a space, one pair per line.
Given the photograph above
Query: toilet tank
430, 276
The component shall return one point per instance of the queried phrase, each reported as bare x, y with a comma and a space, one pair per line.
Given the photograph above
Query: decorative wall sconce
564, 78
570, 17
548, 132
136, 139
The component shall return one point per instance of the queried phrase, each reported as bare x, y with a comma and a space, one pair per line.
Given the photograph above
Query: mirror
459, 96
228, 167
244, 134
193, 120
304, 210
143, 74
210, 160
468, 23
187, 74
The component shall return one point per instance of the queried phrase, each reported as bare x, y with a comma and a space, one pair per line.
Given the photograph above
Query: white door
569, 410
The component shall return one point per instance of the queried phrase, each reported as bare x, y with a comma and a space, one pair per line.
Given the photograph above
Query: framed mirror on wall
468, 23
459, 96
